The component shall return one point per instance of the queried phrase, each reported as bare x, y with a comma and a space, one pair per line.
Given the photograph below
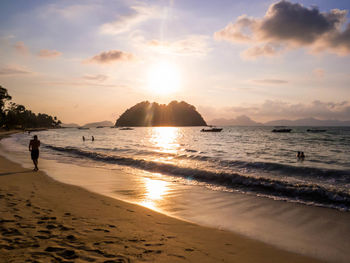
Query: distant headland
145, 114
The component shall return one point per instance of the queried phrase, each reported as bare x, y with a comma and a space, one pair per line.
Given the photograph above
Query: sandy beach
44, 220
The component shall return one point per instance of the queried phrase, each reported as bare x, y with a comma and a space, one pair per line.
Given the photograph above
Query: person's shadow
21, 172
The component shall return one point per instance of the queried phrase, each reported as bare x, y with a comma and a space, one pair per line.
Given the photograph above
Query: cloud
81, 84
13, 70
124, 23
195, 45
270, 81
290, 25
271, 110
110, 57
21, 48
45, 53
318, 72
71, 12
97, 77
267, 50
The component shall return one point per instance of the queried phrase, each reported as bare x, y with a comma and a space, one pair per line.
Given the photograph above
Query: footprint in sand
178, 256
102, 230
147, 251
71, 238
42, 237
154, 245
119, 259
68, 254
45, 232
10, 232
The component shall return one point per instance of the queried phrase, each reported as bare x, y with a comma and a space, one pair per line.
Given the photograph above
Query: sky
86, 61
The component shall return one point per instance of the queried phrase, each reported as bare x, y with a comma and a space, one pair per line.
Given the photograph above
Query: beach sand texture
46, 221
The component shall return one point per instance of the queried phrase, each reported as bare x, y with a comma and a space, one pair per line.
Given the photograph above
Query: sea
244, 179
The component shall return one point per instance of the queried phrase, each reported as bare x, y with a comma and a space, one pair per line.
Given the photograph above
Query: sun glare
163, 78
155, 190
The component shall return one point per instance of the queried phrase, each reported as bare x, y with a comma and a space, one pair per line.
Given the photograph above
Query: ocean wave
280, 169
290, 170
300, 192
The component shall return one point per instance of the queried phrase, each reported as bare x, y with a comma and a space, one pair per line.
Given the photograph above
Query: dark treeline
154, 114
15, 116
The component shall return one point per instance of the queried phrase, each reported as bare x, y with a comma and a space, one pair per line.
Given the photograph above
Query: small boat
315, 130
212, 130
126, 129
83, 128
282, 130
99, 127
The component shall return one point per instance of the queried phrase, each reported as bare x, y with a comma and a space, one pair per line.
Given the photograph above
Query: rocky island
146, 114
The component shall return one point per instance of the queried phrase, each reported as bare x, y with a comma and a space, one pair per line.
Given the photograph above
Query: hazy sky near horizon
86, 61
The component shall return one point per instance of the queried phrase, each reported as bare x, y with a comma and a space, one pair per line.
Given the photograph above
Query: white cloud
273, 110
21, 48
194, 45
97, 77
278, 109
45, 53
319, 72
270, 81
111, 56
14, 70
73, 12
290, 25
124, 23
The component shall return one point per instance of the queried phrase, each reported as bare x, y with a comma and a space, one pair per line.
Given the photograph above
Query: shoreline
38, 222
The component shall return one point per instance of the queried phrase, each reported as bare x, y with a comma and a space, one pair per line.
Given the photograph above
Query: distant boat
99, 127
83, 128
315, 130
211, 130
125, 129
282, 130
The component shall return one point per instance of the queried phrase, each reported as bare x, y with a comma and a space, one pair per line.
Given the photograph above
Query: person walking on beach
34, 151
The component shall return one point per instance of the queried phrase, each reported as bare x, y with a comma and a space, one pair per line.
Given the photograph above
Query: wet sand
42, 220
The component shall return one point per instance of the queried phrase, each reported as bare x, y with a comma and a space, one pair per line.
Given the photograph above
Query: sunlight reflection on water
155, 190
165, 139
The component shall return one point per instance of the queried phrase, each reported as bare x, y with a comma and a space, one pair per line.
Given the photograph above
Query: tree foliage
154, 114
17, 116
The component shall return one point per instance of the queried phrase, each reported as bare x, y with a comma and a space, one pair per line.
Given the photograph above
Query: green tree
4, 96
17, 116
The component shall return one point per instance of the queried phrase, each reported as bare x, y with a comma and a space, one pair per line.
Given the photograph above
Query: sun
163, 78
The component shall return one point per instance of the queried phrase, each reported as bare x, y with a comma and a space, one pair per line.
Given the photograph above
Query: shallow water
251, 160
197, 177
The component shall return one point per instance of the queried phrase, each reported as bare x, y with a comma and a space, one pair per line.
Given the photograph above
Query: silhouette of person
83, 138
300, 156
34, 151
92, 138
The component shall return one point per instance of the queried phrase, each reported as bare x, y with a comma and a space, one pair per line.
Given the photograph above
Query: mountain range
242, 120
88, 125
246, 121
